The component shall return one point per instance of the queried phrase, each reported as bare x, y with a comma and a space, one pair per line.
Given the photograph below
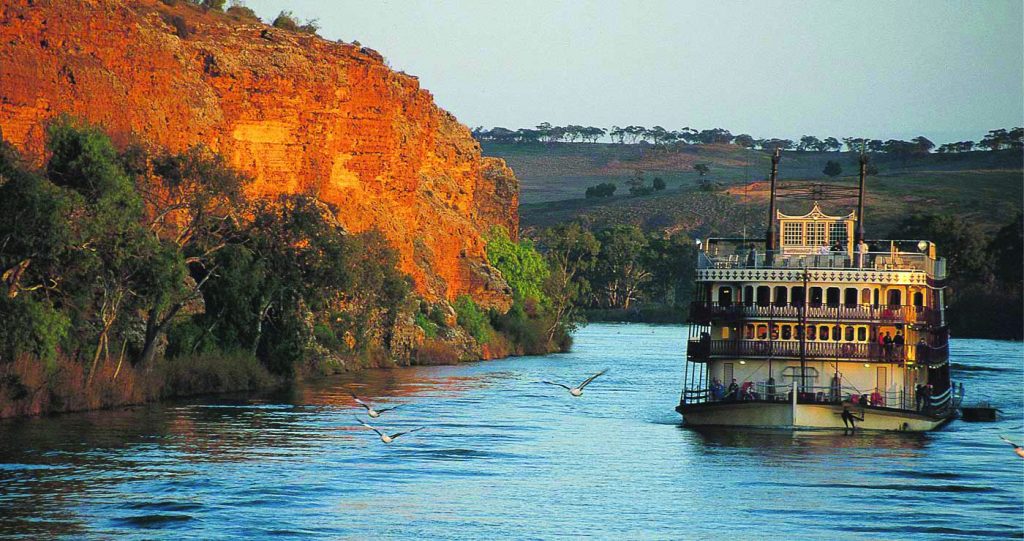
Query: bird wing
379, 433
360, 402
592, 378
559, 384
1015, 446
382, 410
396, 434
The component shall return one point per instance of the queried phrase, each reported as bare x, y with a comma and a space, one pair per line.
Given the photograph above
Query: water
505, 456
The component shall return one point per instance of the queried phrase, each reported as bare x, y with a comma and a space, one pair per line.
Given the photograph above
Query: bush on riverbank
31, 387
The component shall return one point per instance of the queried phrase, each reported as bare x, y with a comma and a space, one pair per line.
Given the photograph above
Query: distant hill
983, 186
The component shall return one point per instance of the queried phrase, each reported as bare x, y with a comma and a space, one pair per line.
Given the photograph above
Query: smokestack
858, 234
771, 235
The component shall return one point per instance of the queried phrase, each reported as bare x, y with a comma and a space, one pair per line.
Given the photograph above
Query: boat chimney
771, 235
858, 234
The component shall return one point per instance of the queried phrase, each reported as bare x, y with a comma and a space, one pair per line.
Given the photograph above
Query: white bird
1016, 448
578, 390
384, 437
373, 413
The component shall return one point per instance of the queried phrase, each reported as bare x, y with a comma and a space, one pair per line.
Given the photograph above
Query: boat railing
716, 256
884, 313
770, 391
860, 351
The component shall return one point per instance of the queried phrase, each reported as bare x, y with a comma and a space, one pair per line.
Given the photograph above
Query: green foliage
658, 184
473, 319
833, 169
605, 189
520, 264
32, 327
286, 20
1007, 249
424, 322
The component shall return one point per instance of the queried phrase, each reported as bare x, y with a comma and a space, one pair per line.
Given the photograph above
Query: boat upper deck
894, 256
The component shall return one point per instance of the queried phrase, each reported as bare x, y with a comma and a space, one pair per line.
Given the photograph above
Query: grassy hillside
987, 187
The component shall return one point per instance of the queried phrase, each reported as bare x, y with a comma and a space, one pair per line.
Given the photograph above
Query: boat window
775, 332
848, 336
836, 333
815, 296
837, 233
833, 296
762, 332
748, 332
895, 297
850, 297
798, 296
791, 373
748, 296
725, 296
764, 294
862, 334
823, 332
781, 296
918, 299
812, 332
793, 233
865, 296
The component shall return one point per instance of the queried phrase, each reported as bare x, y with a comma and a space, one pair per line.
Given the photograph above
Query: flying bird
373, 413
1016, 448
384, 437
578, 390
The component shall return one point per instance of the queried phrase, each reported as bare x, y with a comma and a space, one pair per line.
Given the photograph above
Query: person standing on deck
862, 254
897, 344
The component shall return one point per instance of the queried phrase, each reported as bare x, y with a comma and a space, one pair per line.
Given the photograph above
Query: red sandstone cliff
298, 113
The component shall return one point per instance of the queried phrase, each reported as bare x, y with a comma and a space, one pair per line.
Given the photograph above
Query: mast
858, 234
770, 245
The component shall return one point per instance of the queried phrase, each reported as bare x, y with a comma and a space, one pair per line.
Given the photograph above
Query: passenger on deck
717, 390
887, 344
919, 396
747, 392
734, 391
897, 343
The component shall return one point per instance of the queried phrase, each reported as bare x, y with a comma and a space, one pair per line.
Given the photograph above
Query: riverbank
32, 388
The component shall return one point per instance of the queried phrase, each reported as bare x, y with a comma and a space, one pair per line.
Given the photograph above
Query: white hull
804, 416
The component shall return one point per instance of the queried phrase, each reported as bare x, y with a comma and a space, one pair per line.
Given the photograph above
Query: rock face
296, 112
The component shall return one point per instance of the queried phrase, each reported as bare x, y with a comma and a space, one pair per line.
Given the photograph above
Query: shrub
242, 13
429, 327
211, 373
286, 20
473, 319
605, 189
435, 352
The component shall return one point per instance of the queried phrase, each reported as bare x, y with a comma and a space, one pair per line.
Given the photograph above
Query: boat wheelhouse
816, 326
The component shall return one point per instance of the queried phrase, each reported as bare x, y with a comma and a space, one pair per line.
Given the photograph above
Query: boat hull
804, 416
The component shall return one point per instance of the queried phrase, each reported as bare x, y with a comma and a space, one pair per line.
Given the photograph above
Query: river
506, 456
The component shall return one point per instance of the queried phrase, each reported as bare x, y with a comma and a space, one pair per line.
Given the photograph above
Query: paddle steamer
815, 326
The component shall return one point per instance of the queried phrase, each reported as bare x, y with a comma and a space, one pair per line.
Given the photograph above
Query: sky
949, 70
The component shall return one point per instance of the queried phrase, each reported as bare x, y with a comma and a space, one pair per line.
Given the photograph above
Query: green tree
658, 184
619, 275
520, 264
832, 169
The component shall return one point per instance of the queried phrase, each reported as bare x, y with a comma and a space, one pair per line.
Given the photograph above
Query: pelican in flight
578, 390
384, 437
1016, 448
373, 413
